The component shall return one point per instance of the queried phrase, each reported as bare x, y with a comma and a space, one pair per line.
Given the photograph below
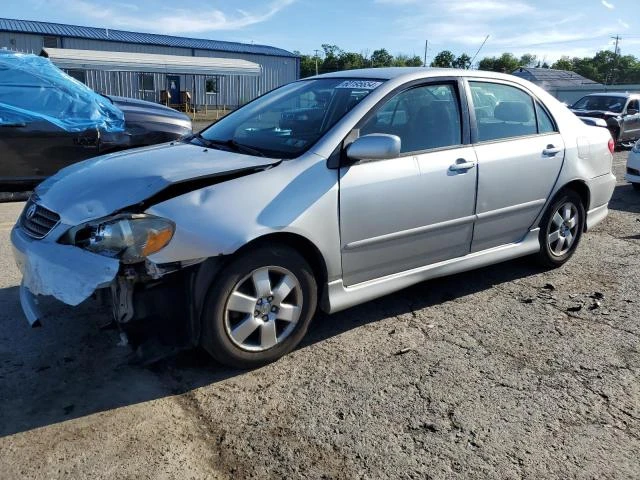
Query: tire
559, 237
240, 338
636, 186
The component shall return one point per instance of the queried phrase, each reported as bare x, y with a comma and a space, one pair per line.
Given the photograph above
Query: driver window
423, 117
633, 105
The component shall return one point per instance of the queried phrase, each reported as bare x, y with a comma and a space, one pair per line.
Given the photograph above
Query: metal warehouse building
150, 66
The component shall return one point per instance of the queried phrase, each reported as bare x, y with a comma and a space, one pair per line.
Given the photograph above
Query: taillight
612, 146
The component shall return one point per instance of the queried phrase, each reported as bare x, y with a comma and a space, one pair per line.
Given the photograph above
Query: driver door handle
462, 165
551, 151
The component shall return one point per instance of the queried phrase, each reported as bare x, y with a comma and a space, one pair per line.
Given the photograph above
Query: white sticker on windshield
362, 84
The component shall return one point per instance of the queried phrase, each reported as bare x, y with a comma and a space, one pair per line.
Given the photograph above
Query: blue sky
547, 28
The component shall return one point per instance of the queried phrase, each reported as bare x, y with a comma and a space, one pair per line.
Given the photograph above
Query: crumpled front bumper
65, 272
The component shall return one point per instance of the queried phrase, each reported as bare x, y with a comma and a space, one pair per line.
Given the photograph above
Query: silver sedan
327, 192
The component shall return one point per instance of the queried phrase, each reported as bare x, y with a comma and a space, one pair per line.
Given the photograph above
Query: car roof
388, 73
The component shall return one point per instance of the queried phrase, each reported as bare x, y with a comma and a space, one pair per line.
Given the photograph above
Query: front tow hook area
30, 307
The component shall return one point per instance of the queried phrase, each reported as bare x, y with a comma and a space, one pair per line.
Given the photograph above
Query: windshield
600, 102
289, 120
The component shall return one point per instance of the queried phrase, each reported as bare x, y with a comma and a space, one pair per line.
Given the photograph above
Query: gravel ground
505, 372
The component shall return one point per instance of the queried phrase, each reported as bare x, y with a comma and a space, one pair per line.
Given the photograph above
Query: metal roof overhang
148, 62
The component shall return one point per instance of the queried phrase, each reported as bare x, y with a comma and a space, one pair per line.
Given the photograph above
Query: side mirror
631, 111
375, 146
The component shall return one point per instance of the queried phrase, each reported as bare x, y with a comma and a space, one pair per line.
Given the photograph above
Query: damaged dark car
49, 120
620, 111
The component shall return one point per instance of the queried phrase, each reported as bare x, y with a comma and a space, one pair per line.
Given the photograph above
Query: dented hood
98, 187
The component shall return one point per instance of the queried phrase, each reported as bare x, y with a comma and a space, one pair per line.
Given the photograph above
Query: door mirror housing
375, 146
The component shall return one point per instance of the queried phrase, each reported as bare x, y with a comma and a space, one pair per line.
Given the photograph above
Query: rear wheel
259, 307
561, 229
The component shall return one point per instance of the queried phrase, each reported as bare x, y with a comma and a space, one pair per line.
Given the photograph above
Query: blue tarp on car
31, 88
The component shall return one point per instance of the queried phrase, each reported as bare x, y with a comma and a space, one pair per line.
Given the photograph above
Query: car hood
103, 185
595, 113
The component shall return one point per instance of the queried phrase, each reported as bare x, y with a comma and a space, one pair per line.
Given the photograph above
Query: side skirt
340, 297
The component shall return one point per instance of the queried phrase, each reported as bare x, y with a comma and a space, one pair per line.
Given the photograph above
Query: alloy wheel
563, 229
263, 308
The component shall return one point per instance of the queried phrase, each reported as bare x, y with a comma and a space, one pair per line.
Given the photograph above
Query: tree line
604, 67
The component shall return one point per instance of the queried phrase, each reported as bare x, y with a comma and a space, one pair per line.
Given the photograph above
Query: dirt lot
506, 372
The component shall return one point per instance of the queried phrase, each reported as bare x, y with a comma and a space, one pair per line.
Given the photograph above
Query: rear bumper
596, 215
601, 189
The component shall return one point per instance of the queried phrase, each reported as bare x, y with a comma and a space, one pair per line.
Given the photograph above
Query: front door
631, 121
415, 210
520, 153
173, 85
33, 148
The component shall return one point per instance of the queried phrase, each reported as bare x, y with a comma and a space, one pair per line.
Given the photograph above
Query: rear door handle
462, 165
551, 151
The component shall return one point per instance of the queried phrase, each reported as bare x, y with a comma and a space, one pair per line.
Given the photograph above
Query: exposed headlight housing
130, 237
636, 147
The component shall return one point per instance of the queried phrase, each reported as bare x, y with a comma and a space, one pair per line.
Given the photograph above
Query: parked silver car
329, 191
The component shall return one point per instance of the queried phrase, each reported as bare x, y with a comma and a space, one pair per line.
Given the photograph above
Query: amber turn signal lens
156, 240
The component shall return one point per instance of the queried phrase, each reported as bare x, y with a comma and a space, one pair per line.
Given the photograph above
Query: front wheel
636, 186
561, 229
259, 307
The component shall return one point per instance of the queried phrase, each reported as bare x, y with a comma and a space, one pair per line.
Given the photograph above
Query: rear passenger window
545, 124
423, 117
502, 111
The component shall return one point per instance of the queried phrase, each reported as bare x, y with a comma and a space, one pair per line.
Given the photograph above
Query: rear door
411, 211
520, 153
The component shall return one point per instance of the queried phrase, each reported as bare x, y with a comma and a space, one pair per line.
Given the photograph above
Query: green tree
444, 59
401, 60
350, 61
331, 62
462, 61
307, 65
506, 63
528, 60
381, 58
563, 63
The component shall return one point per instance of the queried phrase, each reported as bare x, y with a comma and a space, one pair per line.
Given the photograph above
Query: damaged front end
107, 255
88, 229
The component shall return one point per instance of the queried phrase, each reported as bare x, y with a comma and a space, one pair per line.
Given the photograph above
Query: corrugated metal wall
233, 90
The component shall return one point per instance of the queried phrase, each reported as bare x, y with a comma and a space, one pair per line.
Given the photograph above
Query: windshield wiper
232, 144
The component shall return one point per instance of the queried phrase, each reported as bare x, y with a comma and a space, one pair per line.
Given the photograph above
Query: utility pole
615, 60
426, 47
316, 51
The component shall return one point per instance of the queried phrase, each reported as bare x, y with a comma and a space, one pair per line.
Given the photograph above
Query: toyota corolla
324, 193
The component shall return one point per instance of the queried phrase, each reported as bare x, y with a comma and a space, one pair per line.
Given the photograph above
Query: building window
211, 85
50, 42
146, 82
80, 75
